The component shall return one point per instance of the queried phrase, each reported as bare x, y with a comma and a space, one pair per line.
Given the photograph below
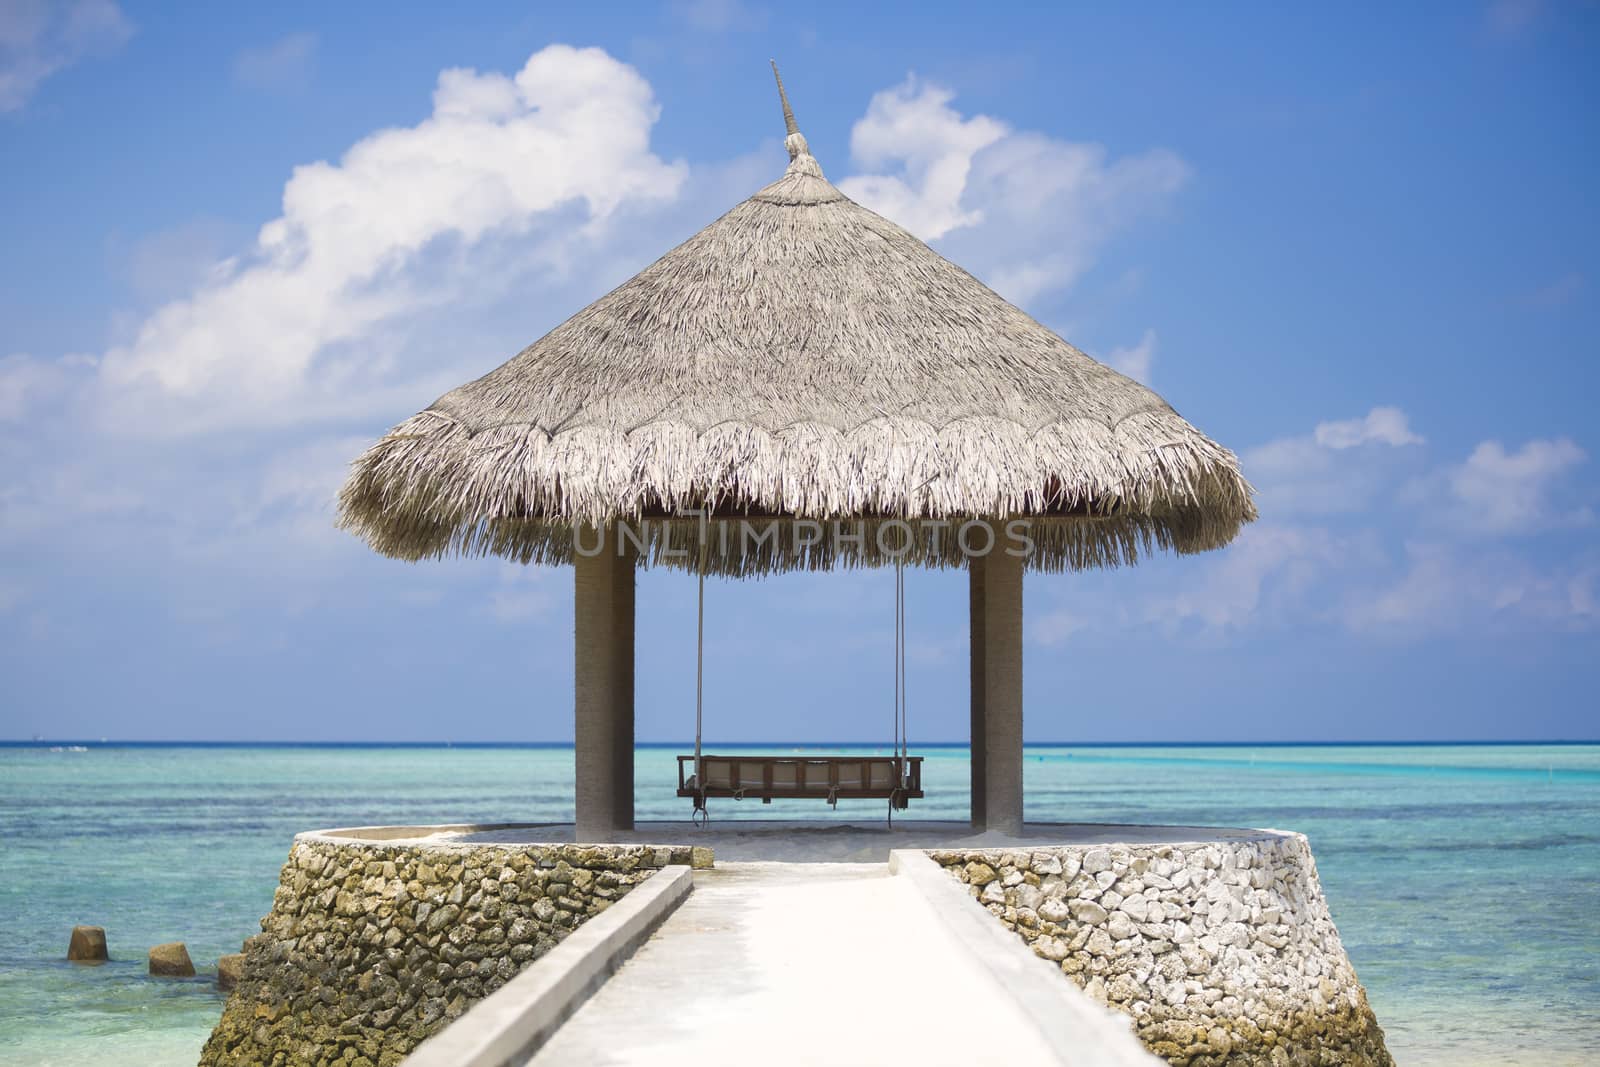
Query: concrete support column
995, 606
603, 686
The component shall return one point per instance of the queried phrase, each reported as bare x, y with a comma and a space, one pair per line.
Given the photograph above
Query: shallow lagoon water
1465, 880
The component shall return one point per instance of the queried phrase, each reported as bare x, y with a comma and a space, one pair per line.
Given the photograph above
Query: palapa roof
800, 358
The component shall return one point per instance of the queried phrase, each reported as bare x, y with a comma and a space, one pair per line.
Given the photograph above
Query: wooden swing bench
897, 779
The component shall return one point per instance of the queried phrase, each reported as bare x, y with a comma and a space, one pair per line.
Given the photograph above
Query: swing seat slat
830, 778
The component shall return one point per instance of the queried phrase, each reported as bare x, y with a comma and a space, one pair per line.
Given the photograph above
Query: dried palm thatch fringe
800, 357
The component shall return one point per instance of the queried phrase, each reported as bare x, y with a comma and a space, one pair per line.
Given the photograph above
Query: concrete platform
784, 841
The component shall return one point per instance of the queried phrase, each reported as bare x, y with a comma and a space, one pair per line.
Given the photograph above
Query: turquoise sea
1465, 879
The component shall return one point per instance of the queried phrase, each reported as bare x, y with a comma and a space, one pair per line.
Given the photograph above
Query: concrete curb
1082, 1033
509, 1026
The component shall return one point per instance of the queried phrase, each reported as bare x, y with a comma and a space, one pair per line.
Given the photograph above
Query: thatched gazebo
802, 384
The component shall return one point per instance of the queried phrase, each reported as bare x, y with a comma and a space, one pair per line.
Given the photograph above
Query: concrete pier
809, 943
798, 964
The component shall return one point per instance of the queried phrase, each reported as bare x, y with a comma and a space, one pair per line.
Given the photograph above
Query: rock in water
88, 945
229, 970
171, 961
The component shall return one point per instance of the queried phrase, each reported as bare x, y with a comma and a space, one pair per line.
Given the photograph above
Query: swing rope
901, 747
699, 687
899, 659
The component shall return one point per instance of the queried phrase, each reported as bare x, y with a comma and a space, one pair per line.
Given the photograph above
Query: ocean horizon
1462, 876
48, 742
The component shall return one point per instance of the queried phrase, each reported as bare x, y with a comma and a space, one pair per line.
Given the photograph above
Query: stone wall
1223, 953
372, 946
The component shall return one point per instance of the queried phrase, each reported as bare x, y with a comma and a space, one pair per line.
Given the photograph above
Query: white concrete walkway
831, 964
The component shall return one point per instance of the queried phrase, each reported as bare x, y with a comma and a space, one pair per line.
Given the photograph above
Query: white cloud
1397, 551
296, 490
1449, 582
1026, 212
1267, 570
294, 329
23, 378
1135, 362
284, 64
1340, 467
1444, 589
1381, 425
913, 127
524, 594
1052, 628
31, 387
38, 39
1507, 492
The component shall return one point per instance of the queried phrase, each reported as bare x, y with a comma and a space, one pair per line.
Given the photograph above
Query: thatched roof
799, 358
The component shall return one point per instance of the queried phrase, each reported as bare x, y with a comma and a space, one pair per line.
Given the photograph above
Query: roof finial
800, 161
788, 115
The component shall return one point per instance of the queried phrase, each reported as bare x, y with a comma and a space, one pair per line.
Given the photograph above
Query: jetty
514, 944
761, 949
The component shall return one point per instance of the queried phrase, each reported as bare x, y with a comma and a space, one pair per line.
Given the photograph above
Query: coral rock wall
1222, 952
371, 947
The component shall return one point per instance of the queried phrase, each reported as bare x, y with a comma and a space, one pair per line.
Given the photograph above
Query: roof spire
788, 114
800, 160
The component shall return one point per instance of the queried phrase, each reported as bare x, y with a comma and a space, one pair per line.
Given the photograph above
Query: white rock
1236, 934
1051, 948
1097, 860
1054, 910
1087, 911
1119, 926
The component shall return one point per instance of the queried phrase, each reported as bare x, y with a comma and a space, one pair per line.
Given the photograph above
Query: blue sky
1357, 246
